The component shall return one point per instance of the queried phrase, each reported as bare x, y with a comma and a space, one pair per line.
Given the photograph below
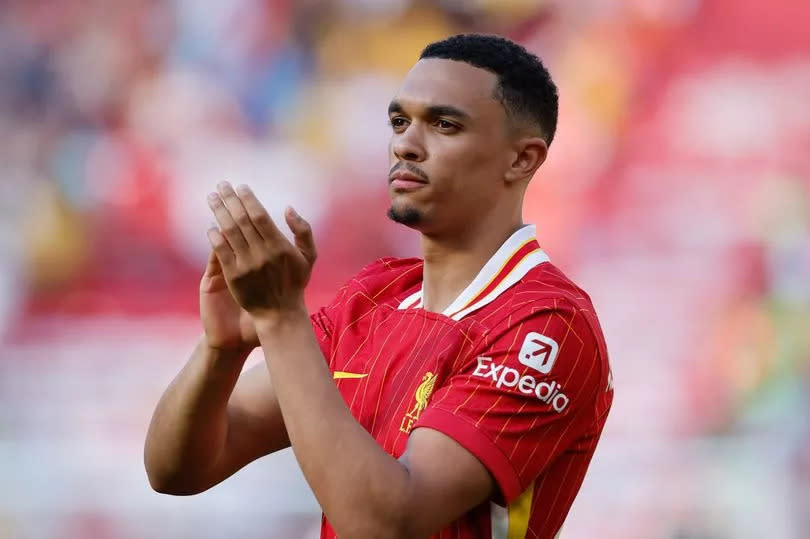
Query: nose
409, 145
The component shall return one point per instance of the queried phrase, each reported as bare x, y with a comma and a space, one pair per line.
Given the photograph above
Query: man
459, 396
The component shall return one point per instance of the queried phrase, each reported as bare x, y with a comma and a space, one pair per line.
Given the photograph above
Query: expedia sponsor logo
503, 376
538, 352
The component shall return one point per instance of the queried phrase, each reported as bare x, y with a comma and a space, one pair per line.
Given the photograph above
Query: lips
405, 181
406, 185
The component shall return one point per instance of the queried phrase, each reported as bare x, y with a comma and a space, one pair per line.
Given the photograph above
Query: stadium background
677, 193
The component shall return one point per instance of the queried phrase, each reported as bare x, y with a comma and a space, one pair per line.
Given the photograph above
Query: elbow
160, 485
165, 484
161, 482
166, 481
160, 479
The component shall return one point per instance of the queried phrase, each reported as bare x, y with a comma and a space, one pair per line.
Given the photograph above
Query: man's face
449, 146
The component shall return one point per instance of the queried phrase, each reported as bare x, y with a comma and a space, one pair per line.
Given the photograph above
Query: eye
398, 123
444, 125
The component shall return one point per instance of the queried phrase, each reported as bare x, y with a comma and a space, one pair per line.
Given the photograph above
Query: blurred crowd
677, 193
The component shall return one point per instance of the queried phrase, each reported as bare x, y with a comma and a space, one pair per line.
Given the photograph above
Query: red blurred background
677, 192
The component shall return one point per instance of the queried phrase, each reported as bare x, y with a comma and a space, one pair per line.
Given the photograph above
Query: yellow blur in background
677, 193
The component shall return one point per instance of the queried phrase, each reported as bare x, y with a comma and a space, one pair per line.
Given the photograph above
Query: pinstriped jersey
515, 370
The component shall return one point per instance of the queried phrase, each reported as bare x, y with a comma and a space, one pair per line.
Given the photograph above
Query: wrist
225, 353
280, 320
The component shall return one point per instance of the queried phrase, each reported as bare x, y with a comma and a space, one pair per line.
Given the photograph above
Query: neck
452, 261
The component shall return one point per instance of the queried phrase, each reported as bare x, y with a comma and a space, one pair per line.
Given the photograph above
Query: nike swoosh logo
338, 375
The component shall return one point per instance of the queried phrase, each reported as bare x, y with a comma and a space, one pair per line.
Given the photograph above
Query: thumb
212, 280
302, 233
212, 267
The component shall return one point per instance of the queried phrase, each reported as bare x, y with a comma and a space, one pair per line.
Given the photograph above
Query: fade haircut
524, 86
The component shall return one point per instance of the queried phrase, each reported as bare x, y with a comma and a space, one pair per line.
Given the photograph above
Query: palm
226, 324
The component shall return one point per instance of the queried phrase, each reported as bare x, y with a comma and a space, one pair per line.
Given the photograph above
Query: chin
405, 215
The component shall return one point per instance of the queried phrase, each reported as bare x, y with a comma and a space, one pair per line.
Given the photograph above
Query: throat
442, 284
437, 301
451, 268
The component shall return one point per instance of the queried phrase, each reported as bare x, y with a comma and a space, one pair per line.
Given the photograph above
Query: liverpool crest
421, 399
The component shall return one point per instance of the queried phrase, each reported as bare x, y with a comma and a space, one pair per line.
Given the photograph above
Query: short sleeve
524, 395
325, 319
347, 302
323, 327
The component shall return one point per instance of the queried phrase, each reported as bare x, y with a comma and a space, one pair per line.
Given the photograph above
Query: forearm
189, 426
361, 488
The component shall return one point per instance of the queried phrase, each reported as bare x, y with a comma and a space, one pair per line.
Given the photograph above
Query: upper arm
255, 424
523, 397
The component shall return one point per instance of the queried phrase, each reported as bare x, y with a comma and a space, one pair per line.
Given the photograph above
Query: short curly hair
524, 85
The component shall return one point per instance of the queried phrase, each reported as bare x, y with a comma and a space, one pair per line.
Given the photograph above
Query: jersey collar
510, 263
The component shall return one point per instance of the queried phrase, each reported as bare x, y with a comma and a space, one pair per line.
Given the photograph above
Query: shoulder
380, 283
388, 277
547, 282
542, 290
544, 303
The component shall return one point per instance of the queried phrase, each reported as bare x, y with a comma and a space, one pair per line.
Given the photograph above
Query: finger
213, 273
227, 225
258, 215
302, 232
212, 267
239, 214
222, 249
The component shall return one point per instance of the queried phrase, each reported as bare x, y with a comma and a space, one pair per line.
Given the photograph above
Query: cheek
459, 158
474, 170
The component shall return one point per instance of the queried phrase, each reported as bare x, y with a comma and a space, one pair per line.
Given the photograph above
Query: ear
530, 153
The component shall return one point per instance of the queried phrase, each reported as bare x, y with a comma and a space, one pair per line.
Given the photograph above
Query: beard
405, 216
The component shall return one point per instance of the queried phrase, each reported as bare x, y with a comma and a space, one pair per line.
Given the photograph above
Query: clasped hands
265, 273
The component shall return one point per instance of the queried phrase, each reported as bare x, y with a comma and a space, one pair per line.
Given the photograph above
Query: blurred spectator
677, 191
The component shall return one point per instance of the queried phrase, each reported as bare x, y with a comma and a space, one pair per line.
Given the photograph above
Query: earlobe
530, 155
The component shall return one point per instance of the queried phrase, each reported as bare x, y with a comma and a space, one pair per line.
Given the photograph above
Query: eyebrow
432, 110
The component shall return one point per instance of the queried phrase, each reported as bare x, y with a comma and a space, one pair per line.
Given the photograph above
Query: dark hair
524, 85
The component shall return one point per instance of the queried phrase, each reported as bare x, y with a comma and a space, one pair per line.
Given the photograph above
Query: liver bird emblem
421, 397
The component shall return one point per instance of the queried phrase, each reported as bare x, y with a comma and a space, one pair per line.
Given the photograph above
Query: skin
448, 130
478, 166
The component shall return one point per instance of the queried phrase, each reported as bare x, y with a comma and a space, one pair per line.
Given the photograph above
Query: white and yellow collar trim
515, 258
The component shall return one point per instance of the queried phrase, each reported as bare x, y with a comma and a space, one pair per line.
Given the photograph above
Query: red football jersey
515, 370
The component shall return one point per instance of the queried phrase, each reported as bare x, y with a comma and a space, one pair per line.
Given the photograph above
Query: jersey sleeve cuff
478, 443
